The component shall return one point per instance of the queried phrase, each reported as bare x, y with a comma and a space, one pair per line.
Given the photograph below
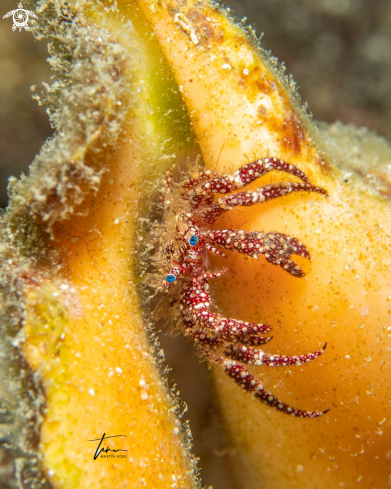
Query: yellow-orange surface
242, 111
84, 336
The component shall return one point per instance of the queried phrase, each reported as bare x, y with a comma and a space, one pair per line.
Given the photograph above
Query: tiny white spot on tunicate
299, 468
245, 71
117, 369
91, 392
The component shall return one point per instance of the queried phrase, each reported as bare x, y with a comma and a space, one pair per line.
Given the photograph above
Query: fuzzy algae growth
243, 108
71, 239
76, 363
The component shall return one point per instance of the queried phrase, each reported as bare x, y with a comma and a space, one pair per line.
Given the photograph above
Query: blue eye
193, 240
170, 278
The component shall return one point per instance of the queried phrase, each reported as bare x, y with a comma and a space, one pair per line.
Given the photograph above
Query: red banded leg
240, 332
214, 250
206, 340
197, 179
210, 338
223, 330
222, 184
211, 212
243, 176
250, 172
276, 247
231, 330
195, 302
252, 356
196, 299
245, 380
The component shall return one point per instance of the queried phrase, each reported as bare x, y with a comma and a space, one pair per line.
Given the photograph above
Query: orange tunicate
341, 300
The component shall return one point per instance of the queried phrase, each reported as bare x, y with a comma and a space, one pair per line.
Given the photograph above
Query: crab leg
242, 332
210, 213
214, 250
243, 176
245, 380
211, 332
196, 180
211, 339
203, 195
252, 356
208, 342
223, 330
276, 247
250, 172
199, 319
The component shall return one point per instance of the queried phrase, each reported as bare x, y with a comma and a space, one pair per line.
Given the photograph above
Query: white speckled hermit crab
184, 242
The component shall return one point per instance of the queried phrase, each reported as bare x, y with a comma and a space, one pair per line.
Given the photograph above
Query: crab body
187, 239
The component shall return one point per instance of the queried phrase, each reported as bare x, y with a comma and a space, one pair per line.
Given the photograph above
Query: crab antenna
218, 158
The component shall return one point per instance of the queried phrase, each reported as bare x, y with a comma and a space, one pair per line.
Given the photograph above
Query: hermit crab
184, 241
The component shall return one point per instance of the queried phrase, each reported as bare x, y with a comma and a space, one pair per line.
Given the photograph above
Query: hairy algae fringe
179, 407
361, 155
92, 72
148, 234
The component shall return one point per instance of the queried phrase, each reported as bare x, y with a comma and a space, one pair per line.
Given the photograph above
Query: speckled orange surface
83, 330
84, 335
241, 111
85, 338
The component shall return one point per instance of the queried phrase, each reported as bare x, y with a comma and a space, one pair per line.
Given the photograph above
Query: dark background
339, 52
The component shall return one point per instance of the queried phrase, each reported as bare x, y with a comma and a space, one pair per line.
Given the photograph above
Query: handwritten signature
99, 450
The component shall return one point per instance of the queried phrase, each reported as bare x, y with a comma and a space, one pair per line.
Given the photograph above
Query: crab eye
170, 278
193, 240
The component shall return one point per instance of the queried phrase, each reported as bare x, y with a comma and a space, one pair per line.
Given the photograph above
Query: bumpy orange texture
242, 110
